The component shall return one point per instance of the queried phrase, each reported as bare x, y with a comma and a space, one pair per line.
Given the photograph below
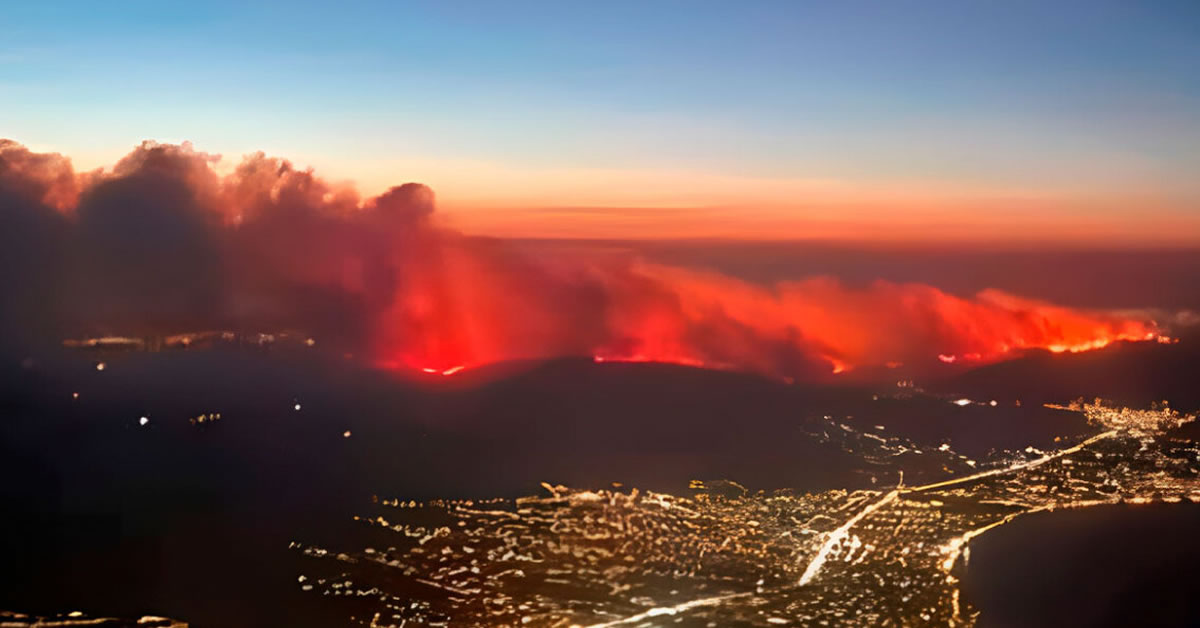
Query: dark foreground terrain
200, 511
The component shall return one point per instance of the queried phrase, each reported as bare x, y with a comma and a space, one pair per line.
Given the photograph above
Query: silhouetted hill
1128, 373
193, 520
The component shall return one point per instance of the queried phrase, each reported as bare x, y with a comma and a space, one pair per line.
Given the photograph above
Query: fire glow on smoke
162, 242
805, 328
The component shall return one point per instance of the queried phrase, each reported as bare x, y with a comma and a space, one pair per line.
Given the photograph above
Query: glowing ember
665, 359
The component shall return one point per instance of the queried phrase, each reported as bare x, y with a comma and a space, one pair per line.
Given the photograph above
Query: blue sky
1045, 96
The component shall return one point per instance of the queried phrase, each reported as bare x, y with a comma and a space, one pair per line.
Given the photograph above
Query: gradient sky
1065, 119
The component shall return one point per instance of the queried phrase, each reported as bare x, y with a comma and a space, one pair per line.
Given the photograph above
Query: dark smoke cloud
147, 241
33, 241
161, 244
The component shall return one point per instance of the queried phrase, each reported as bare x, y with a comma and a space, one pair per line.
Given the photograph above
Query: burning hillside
161, 243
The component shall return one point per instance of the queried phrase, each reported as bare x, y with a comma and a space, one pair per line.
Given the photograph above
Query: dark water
1104, 566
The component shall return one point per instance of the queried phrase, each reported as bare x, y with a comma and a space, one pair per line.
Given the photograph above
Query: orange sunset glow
481, 198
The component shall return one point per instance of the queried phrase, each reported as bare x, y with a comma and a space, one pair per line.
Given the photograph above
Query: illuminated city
619, 314
889, 556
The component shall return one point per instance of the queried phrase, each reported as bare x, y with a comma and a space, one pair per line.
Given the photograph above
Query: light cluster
723, 556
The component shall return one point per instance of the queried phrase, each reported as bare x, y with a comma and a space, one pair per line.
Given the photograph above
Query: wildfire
666, 359
270, 244
805, 329
427, 369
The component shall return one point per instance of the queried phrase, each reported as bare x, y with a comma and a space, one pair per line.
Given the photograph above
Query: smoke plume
160, 243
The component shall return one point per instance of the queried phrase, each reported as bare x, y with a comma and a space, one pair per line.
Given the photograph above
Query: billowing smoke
160, 244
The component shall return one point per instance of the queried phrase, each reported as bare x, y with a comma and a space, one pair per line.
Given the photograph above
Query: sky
1050, 121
